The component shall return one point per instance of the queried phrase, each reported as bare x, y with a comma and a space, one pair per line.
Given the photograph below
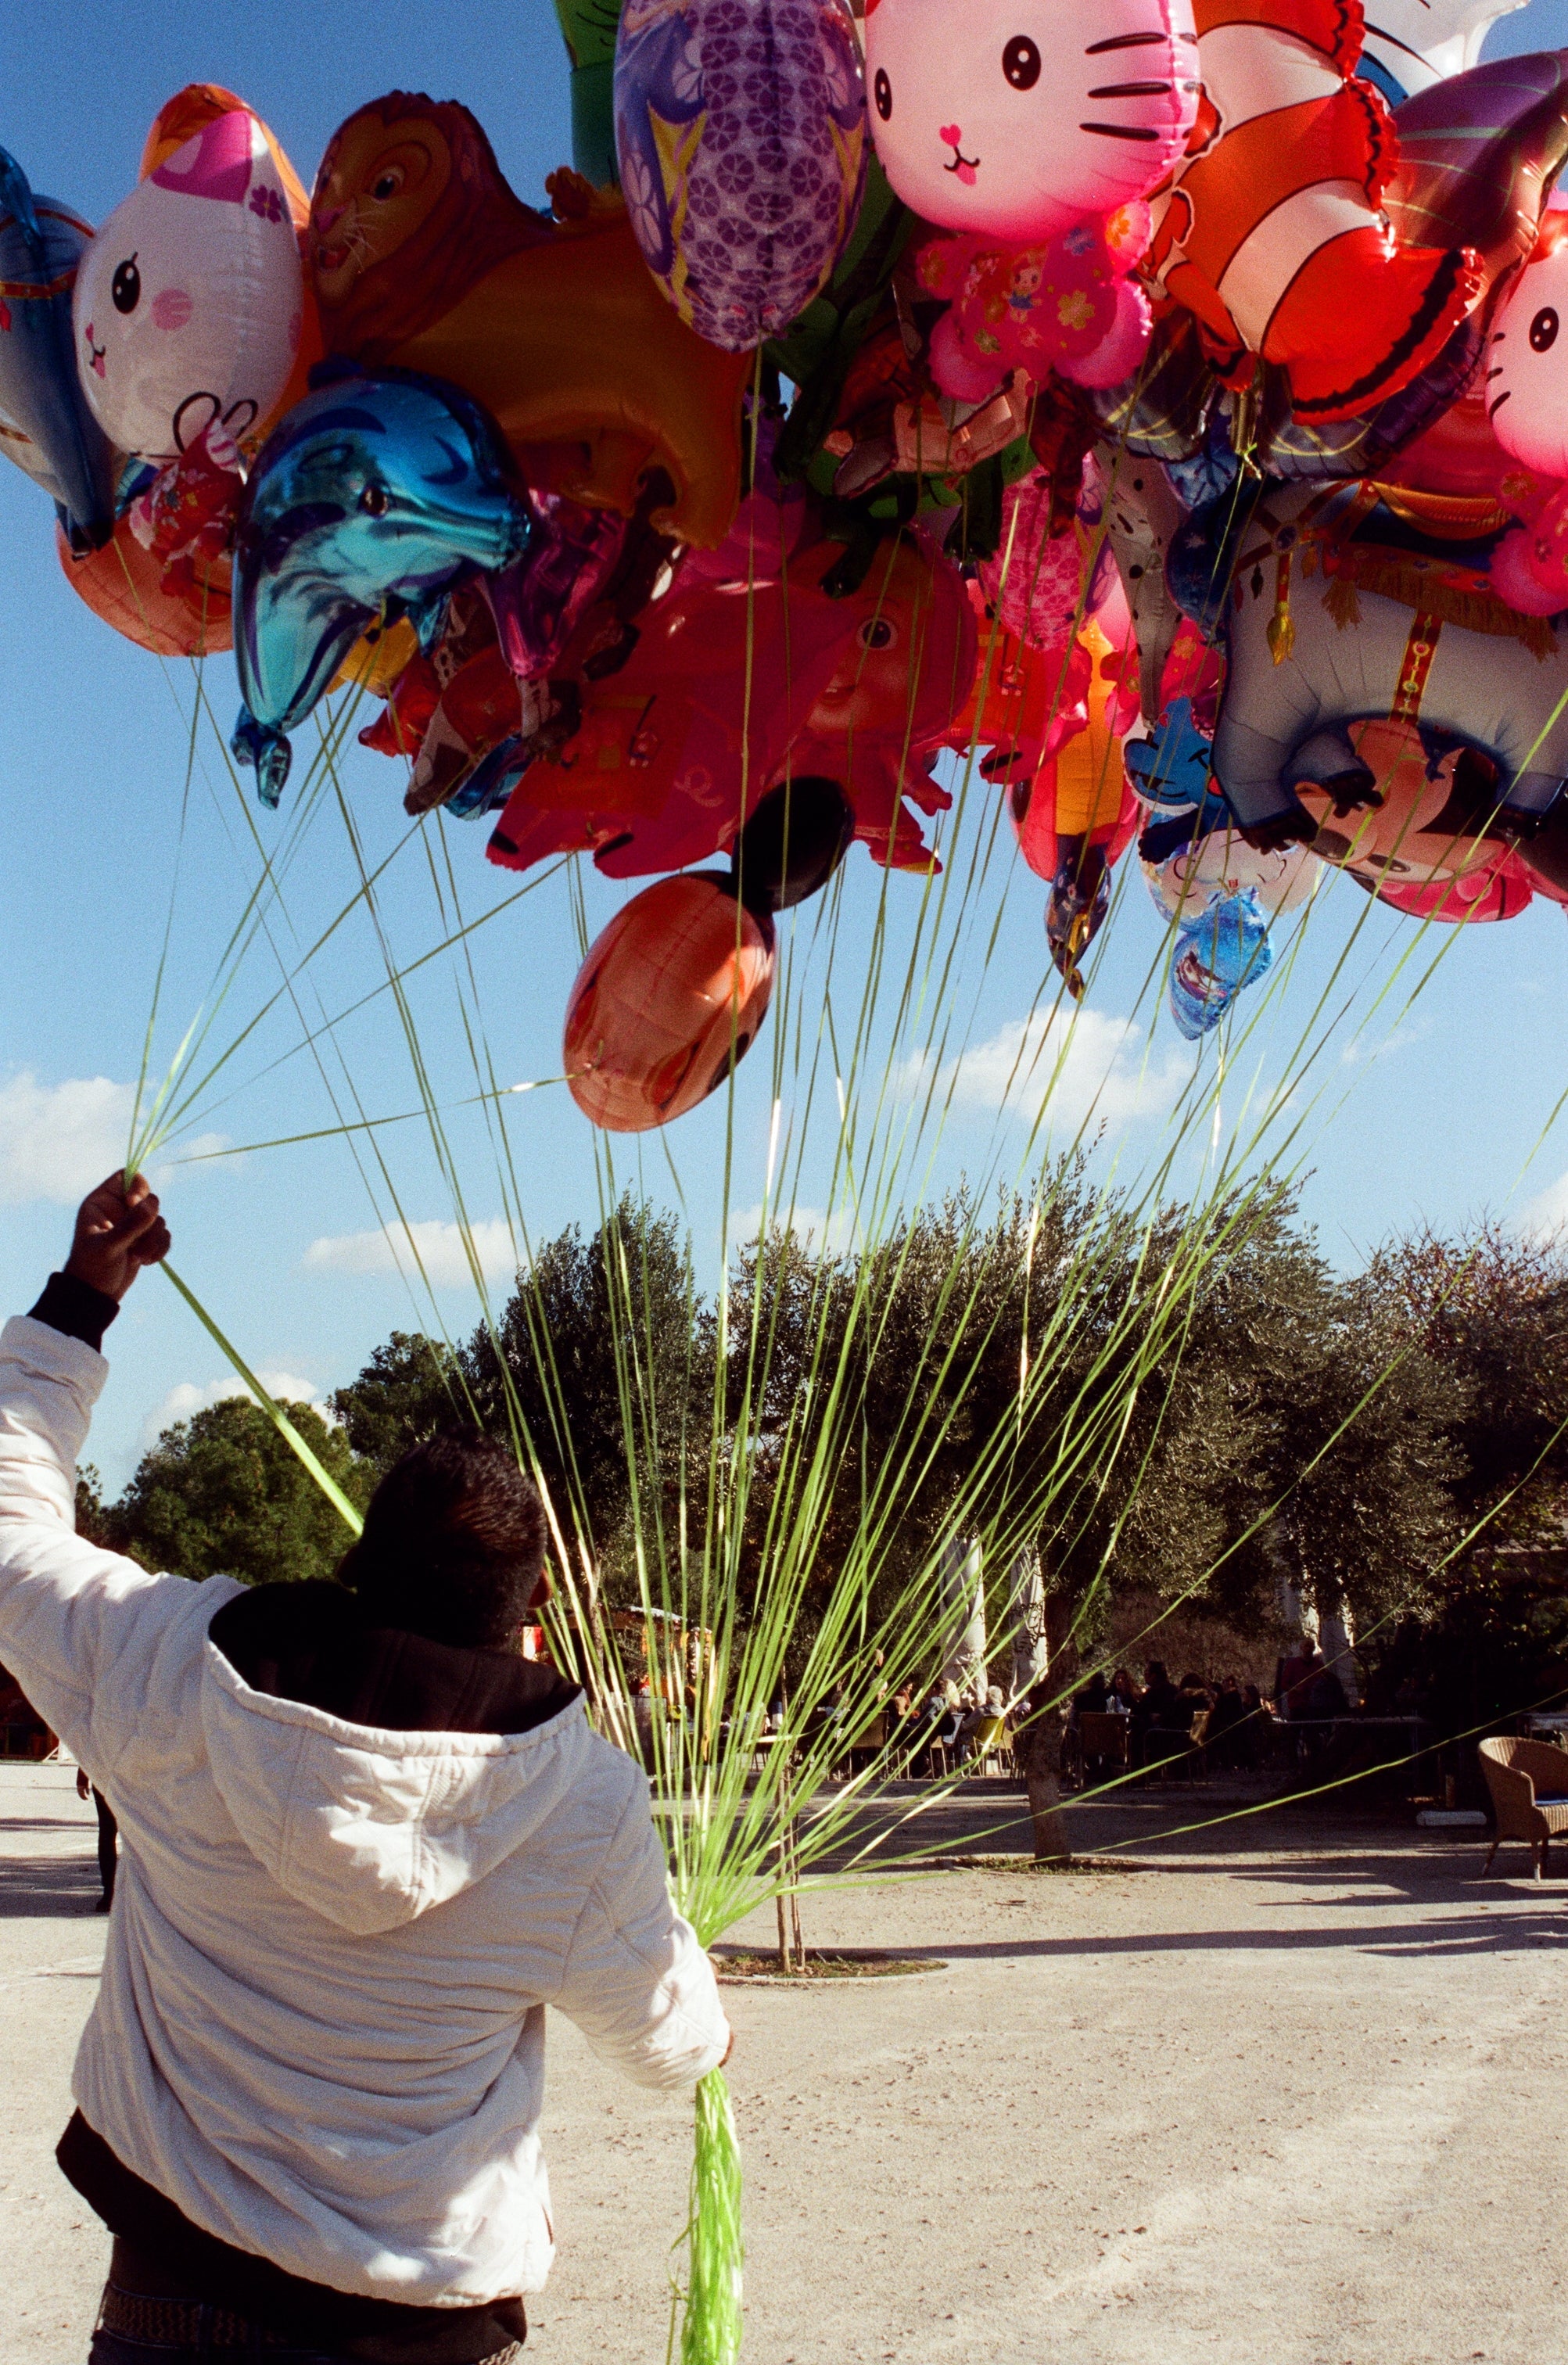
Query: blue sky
1418, 1108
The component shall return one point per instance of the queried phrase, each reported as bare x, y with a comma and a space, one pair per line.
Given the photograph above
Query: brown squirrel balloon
424, 259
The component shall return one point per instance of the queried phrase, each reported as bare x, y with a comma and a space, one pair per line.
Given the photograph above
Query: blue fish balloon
45, 424
369, 499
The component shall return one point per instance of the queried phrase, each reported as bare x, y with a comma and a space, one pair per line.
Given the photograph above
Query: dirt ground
1292, 2092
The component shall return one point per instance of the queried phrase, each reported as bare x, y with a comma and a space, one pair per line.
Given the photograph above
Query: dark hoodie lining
314, 1643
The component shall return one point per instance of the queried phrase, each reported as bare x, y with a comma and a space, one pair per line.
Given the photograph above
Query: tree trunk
788, 1898
1037, 1742
1037, 1747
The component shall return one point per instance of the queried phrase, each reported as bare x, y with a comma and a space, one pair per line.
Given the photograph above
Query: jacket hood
371, 1819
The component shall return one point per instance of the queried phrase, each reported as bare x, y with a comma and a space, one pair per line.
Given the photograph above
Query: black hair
453, 1546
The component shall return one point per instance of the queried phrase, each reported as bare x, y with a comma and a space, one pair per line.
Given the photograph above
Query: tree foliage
223, 1494
411, 1387
1392, 1444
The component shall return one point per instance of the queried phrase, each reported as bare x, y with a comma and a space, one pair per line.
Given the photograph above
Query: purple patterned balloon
741, 130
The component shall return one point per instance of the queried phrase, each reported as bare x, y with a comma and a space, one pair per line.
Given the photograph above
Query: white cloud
57, 1140
834, 1233
186, 1398
1084, 1066
1364, 1049
438, 1246
1547, 1213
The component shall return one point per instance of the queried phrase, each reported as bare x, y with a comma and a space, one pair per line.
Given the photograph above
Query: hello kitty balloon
189, 302
1015, 118
1526, 387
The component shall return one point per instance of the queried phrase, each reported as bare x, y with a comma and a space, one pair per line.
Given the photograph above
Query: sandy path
1301, 2106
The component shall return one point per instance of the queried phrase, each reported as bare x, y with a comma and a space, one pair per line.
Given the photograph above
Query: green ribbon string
275, 1413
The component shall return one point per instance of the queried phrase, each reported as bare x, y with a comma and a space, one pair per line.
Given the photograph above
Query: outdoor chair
868, 1745
1529, 1782
1173, 1751
1103, 1740
992, 1746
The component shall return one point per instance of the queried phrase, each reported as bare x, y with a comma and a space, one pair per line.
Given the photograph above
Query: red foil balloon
671, 996
181, 613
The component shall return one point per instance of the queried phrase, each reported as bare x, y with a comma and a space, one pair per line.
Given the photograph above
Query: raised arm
65, 1604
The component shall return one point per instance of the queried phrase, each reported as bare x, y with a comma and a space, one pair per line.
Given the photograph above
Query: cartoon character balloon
1034, 146
747, 671
1272, 230
1432, 836
1215, 955
372, 492
45, 424
741, 130
1021, 122
1528, 415
1431, 643
1526, 393
423, 257
1222, 863
189, 303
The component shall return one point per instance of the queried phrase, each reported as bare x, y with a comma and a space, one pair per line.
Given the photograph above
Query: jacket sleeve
636, 1980
67, 1609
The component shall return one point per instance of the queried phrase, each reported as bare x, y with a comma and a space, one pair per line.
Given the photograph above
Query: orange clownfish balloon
1269, 230
671, 996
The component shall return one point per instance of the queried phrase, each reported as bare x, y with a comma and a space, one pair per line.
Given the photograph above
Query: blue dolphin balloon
45, 424
368, 500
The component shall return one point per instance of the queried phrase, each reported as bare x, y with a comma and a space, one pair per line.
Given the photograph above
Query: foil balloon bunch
1058, 400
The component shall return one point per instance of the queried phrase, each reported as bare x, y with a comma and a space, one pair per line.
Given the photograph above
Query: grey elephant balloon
1353, 656
371, 497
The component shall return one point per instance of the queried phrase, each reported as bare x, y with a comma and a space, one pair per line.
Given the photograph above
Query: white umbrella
1025, 1627
963, 1618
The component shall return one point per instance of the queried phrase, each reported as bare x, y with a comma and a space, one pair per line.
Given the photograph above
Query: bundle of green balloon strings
982, 1369
710, 2316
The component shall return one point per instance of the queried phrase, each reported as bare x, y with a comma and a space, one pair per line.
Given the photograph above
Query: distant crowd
1112, 1721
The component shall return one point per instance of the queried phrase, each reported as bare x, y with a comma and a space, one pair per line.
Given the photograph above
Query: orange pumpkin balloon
671, 996
124, 584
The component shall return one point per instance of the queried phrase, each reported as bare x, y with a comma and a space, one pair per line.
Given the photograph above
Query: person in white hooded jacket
364, 1843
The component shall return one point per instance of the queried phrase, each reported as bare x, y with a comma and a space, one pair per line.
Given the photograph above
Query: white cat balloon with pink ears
1032, 129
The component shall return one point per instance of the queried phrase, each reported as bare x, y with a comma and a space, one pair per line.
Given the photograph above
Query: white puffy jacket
320, 2031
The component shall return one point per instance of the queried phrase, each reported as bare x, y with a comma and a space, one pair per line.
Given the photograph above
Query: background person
1291, 1677
108, 1836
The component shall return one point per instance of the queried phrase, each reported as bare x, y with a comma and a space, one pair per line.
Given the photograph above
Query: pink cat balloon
1528, 405
188, 302
1015, 118
1031, 140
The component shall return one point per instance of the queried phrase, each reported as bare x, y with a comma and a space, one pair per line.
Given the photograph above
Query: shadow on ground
44, 1886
